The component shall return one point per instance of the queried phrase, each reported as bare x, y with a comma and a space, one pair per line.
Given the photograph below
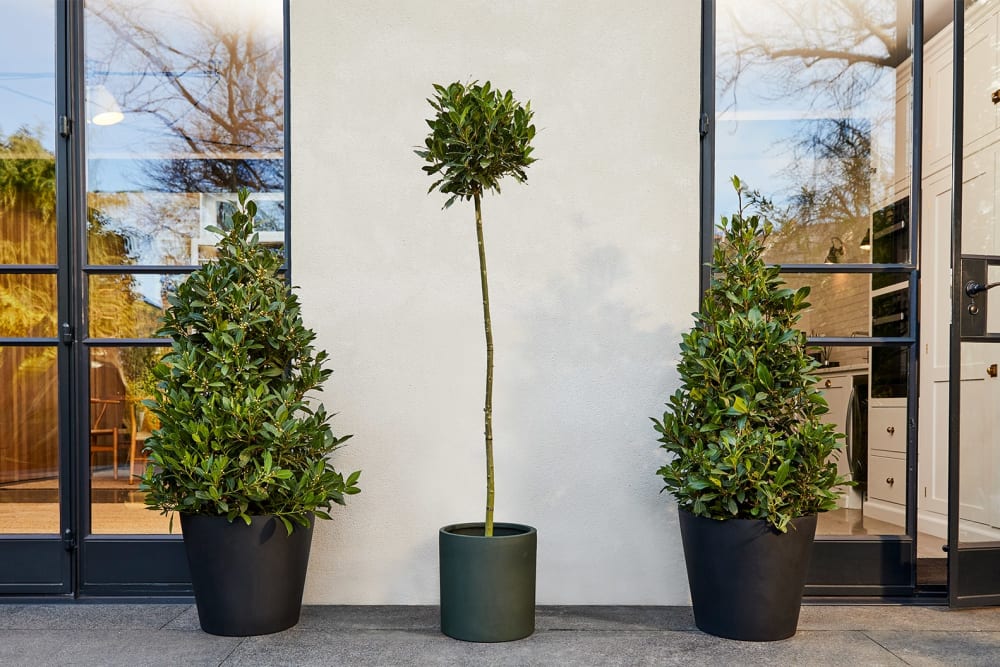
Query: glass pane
866, 407
185, 106
840, 303
979, 447
979, 457
812, 110
28, 306
27, 139
29, 410
128, 306
120, 379
29, 448
170, 229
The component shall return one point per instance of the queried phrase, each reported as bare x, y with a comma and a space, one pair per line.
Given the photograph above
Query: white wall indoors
593, 269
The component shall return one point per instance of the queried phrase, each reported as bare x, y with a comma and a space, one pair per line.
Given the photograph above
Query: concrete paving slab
897, 617
614, 618
127, 648
88, 616
169, 634
555, 648
955, 649
392, 617
30, 647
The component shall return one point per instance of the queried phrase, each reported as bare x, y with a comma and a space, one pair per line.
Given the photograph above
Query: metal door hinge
703, 125
66, 333
69, 540
65, 126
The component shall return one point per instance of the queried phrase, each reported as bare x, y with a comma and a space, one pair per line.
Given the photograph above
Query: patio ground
168, 634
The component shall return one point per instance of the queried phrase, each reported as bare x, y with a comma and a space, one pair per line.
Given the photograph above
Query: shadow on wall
576, 452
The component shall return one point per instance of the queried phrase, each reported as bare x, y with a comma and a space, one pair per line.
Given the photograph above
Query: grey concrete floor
168, 634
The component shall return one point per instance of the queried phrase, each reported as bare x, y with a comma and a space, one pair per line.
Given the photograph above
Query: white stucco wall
593, 268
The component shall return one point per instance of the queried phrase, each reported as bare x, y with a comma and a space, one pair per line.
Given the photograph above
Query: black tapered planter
487, 583
746, 578
247, 579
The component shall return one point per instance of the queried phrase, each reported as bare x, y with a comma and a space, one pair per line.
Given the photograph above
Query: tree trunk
488, 410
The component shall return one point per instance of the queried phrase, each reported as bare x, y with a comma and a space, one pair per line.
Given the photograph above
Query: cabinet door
979, 202
937, 104
887, 429
981, 114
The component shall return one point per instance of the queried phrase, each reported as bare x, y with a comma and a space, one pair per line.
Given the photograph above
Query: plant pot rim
523, 529
206, 515
691, 514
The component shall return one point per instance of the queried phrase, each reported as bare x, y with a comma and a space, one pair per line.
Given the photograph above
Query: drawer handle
890, 481
890, 430
828, 384
995, 97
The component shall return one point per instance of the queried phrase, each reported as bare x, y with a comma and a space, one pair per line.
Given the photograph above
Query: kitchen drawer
887, 429
887, 479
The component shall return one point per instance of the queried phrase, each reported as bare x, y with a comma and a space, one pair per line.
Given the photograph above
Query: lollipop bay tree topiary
240, 447
478, 136
744, 429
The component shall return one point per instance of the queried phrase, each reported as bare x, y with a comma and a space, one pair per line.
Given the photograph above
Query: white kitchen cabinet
837, 386
982, 78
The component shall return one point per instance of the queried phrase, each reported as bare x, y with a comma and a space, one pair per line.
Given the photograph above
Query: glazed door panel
974, 439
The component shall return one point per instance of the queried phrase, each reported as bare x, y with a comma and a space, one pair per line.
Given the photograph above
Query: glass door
126, 129
815, 104
974, 439
184, 105
33, 399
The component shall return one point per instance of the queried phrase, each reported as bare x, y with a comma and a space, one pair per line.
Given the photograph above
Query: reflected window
807, 112
813, 111
185, 105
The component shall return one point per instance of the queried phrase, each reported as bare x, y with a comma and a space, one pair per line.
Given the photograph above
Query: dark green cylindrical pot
247, 580
746, 577
487, 583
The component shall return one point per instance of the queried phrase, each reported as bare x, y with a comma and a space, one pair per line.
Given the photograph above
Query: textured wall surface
593, 274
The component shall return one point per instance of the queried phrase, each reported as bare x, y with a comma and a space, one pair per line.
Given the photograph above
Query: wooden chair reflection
138, 432
107, 412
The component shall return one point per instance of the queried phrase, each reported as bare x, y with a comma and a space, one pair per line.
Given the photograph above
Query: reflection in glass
29, 408
200, 87
128, 306
28, 306
840, 303
27, 198
29, 448
120, 379
806, 103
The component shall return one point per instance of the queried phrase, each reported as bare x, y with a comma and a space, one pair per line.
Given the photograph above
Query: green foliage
744, 427
478, 136
27, 170
237, 435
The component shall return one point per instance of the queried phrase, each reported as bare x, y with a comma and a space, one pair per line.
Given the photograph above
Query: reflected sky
27, 69
780, 81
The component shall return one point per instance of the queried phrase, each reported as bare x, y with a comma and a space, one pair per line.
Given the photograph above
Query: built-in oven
890, 241
890, 318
